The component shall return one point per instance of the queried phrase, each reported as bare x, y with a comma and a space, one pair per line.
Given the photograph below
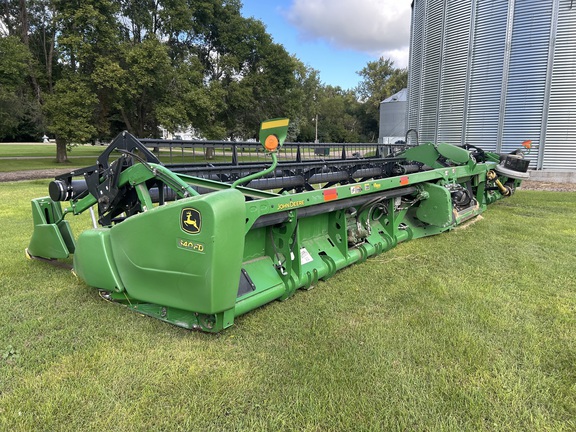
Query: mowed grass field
471, 330
33, 156
36, 156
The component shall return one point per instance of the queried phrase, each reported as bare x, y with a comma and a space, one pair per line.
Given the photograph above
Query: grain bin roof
401, 96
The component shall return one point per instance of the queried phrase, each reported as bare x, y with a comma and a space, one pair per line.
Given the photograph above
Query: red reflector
404, 180
330, 194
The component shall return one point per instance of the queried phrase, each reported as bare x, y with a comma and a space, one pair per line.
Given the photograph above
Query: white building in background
493, 73
3, 29
182, 134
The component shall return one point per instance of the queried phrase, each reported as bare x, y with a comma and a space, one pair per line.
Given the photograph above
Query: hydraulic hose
258, 174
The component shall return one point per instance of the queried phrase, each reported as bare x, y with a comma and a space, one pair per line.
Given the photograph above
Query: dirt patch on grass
548, 186
31, 174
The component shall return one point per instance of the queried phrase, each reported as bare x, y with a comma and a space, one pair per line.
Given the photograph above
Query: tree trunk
24, 22
61, 155
25, 37
127, 121
49, 58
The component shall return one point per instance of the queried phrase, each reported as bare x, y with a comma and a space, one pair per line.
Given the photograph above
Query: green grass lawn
46, 150
43, 156
19, 157
28, 156
467, 331
11, 165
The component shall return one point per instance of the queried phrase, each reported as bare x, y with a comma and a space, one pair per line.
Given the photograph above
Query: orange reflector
271, 142
404, 180
330, 194
527, 144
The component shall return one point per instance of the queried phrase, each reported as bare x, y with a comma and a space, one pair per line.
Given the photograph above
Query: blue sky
337, 37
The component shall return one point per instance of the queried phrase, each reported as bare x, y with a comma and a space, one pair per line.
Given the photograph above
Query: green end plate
277, 128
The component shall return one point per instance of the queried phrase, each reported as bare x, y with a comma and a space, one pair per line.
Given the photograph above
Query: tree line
81, 70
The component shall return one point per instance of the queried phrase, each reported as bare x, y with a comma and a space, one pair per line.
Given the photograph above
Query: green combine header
198, 245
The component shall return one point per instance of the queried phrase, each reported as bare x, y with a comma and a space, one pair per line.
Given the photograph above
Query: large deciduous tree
88, 69
380, 80
71, 112
13, 96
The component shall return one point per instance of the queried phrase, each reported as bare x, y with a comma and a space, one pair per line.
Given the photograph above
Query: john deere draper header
198, 245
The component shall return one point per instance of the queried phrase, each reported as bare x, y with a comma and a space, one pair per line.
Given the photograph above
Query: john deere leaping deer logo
190, 220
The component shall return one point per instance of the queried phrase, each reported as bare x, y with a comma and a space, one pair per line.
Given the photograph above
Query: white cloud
400, 57
377, 27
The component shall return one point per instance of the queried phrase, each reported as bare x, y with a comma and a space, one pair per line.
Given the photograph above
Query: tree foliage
14, 104
87, 69
70, 109
380, 80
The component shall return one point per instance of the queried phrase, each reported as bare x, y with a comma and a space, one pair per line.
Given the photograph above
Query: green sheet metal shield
273, 133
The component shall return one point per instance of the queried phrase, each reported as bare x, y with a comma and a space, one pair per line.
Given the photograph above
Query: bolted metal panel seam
560, 151
526, 91
517, 82
416, 65
432, 55
456, 51
488, 53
